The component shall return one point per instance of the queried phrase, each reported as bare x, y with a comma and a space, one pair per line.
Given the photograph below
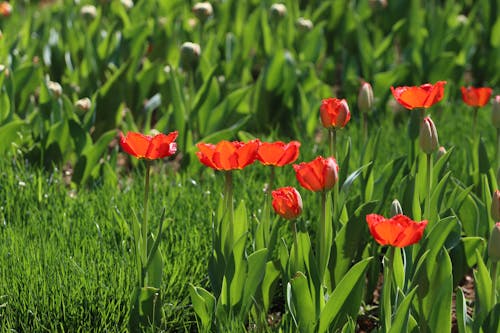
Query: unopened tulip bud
495, 112
428, 136
495, 206
55, 88
494, 243
365, 97
441, 152
304, 25
88, 11
278, 11
128, 4
396, 208
203, 11
190, 55
84, 104
5, 9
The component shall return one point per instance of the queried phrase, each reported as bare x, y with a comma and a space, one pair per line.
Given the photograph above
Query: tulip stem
323, 255
228, 193
498, 148
145, 221
333, 142
386, 291
296, 245
429, 189
365, 127
493, 275
474, 122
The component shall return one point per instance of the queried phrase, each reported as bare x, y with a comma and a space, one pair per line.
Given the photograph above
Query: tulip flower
287, 202
494, 255
428, 136
423, 96
147, 146
228, 155
495, 206
399, 231
203, 11
321, 174
5, 9
476, 97
334, 112
495, 112
365, 97
278, 153
396, 208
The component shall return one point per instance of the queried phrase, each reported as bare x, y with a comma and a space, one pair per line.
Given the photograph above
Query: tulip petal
135, 144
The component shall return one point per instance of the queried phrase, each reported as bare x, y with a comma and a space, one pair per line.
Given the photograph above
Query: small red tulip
476, 96
278, 153
147, 146
320, 174
287, 202
423, 96
398, 231
228, 155
5, 9
334, 112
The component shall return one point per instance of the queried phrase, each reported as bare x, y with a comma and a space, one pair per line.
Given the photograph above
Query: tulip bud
278, 11
396, 208
190, 55
428, 136
495, 206
128, 4
203, 11
365, 97
304, 25
287, 202
88, 11
441, 152
5, 9
494, 243
495, 112
55, 88
84, 104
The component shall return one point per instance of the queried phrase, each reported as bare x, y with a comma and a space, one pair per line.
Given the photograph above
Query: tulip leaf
10, 134
254, 276
483, 287
437, 198
461, 311
438, 300
484, 162
305, 311
203, 304
340, 299
400, 321
389, 174
269, 281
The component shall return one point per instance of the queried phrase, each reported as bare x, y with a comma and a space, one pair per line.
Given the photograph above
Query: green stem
333, 141
474, 122
228, 197
493, 275
322, 253
365, 127
386, 291
429, 187
296, 245
498, 148
145, 221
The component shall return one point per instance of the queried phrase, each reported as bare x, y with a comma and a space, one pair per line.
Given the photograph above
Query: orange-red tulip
423, 96
147, 146
399, 231
320, 174
476, 96
287, 202
5, 9
278, 153
334, 112
228, 155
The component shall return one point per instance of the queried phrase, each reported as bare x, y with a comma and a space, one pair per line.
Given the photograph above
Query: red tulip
320, 174
147, 146
287, 202
228, 155
334, 112
278, 153
5, 9
399, 231
476, 96
423, 96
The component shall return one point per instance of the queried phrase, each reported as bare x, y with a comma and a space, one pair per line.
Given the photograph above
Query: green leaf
495, 34
483, 287
10, 134
400, 321
461, 311
337, 302
203, 305
305, 311
255, 274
